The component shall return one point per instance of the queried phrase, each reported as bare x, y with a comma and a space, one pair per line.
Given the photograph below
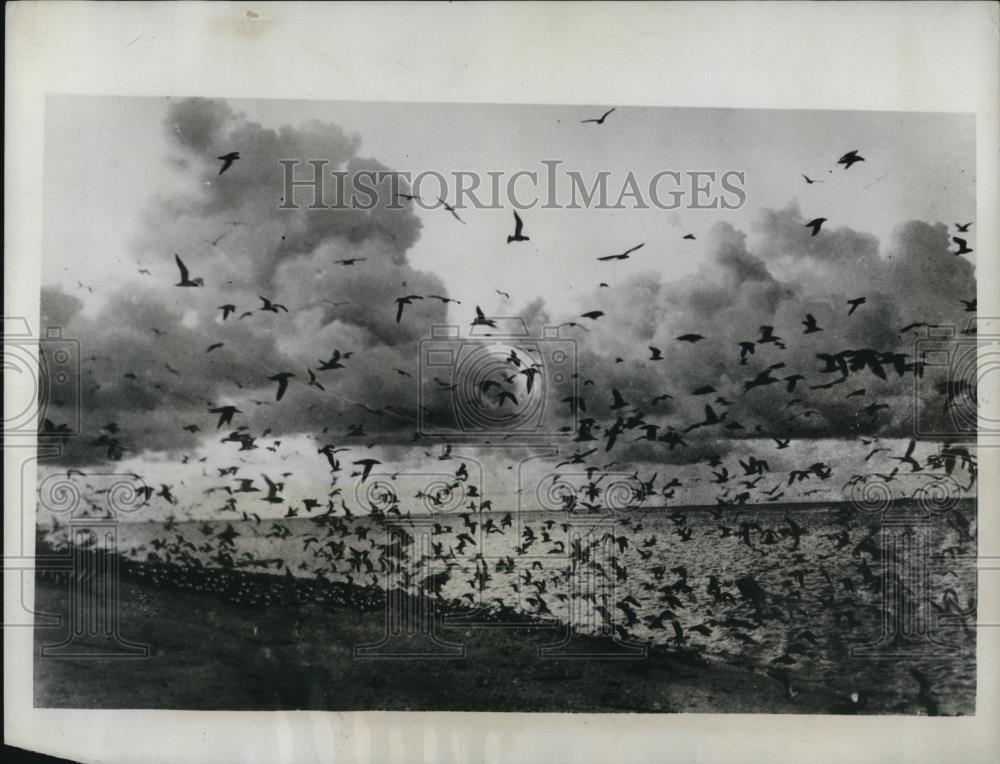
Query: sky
129, 182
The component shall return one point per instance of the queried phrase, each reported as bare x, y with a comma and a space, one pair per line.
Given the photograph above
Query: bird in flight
482, 320
598, 120
689, 236
809, 180
350, 260
624, 255
593, 315
225, 414
215, 346
443, 299
963, 248
518, 230
274, 307
226, 310
282, 379
856, 303
366, 465
811, 325
850, 158
970, 305
451, 210
815, 224
227, 160
655, 354
334, 362
692, 338
186, 280
503, 294
403, 301
962, 227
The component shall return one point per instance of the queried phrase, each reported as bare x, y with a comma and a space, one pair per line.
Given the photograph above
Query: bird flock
769, 571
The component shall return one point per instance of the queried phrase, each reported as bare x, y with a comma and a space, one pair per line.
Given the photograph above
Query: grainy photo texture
400, 406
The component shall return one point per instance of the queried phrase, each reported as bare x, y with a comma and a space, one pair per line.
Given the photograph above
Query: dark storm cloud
232, 231
787, 275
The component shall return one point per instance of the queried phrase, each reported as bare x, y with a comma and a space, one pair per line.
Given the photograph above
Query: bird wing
180, 264
518, 224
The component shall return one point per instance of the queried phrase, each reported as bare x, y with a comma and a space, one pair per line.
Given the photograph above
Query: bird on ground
227, 160
518, 234
598, 120
186, 280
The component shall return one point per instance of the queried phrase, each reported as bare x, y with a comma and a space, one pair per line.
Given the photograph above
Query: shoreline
284, 649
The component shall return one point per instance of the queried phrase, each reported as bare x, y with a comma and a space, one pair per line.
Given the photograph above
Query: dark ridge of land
225, 639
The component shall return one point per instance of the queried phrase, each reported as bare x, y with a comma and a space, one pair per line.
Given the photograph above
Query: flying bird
593, 315
598, 120
367, 465
186, 280
692, 338
963, 248
856, 303
518, 230
811, 325
689, 236
227, 160
451, 210
850, 158
215, 346
655, 354
226, 310
282, 379
225, 414
482, 320
962, 227
624, 255
273, 307
809, 180
403, 301
815, 224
